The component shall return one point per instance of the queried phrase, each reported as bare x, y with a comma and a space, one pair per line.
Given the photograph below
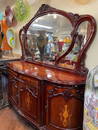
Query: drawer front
23, 79
25, 82
29, 80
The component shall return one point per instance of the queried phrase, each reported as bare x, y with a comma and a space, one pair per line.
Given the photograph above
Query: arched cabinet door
28, 102
63, 108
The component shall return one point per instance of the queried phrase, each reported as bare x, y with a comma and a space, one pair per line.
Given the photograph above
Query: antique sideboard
46, 86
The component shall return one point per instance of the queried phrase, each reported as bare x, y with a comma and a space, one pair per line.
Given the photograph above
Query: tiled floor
10, 121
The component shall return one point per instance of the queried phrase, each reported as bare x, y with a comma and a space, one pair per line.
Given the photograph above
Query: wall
89, 8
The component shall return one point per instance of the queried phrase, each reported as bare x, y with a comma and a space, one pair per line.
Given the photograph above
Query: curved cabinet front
24, 96
46, 104
64, 107
28, 103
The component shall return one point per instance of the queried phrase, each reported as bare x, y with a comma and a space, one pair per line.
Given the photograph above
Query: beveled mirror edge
76, 20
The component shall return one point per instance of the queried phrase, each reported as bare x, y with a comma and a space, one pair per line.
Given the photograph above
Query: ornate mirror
45, 40
57, 39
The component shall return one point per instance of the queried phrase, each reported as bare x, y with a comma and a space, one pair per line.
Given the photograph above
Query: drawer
32, 81
29, 84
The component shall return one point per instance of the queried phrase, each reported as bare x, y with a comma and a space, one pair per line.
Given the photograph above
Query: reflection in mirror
22, 36
22, 41
48, 37
83, 33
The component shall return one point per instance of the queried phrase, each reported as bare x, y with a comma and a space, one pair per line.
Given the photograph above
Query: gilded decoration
64, 115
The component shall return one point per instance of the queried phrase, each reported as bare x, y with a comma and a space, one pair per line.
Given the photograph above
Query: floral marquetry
64, 116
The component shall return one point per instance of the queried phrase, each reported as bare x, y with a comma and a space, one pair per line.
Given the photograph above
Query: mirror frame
75, 20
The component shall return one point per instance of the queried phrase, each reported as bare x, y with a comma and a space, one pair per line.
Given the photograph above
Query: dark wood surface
50, 103
76, 20
64, 108
48, 74
49, 96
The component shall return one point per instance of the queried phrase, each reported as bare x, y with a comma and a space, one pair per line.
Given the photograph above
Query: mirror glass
48, 37
83, 33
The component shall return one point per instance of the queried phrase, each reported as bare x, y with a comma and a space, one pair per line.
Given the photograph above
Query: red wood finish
64, 108
49, 98
23, 95
75, 20
46, 73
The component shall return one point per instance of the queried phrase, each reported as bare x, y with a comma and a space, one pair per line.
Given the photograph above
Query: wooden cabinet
47, 84
48, 103
24, 94
64, 107
28, 103
28, 98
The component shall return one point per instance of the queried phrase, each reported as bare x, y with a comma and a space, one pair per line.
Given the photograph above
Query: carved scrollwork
67, 94
34, 90
74, 17
43, 8
52, 91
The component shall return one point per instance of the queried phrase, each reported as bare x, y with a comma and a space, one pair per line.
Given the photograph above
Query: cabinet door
13, 90
29, 102
64, 109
